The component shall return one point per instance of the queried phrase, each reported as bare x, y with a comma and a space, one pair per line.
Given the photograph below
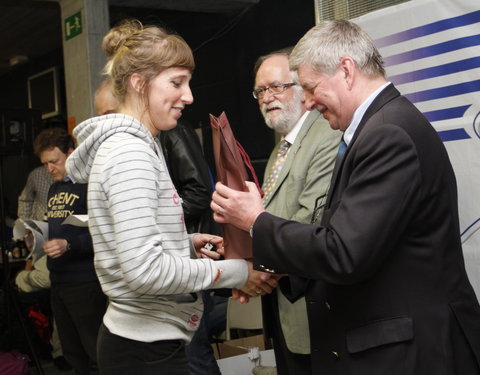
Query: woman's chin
171, 125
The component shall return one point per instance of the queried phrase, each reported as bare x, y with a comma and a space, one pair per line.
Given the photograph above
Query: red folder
231, 162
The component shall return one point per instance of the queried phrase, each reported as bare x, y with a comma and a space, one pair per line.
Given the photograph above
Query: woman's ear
137, 82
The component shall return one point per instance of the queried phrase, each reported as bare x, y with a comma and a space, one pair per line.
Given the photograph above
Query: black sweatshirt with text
75, 266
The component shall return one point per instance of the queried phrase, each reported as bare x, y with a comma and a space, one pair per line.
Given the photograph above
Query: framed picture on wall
43, 92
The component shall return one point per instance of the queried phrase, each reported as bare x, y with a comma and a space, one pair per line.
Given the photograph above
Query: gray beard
289, 116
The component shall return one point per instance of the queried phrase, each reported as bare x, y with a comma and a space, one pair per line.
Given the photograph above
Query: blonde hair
147, 50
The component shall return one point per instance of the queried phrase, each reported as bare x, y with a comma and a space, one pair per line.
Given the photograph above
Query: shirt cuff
234, 273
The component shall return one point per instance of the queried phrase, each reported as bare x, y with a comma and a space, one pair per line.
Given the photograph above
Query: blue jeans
199, 351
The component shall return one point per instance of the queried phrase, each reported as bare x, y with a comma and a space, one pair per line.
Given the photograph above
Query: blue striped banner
431, 28
447, 113
470, 226
453, 135
444, 92
436, 71
433, 50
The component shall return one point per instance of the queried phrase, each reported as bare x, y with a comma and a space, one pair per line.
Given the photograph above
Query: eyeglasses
273, 90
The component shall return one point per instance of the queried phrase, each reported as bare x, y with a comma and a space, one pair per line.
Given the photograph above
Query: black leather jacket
190, 175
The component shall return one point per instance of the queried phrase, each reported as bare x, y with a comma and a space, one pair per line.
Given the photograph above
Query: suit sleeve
365, 221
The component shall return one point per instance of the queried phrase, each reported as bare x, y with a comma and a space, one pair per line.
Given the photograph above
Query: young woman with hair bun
148, 266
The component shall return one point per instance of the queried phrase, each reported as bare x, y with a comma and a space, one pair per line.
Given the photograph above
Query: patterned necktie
276, 168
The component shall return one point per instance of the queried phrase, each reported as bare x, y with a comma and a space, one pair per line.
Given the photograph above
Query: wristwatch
69, 247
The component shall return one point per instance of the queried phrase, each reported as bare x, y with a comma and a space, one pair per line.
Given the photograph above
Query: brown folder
231, 162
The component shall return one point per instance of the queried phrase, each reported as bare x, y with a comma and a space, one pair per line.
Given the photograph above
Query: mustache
273, 105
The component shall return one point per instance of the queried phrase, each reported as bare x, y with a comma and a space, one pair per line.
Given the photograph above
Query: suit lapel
388, 94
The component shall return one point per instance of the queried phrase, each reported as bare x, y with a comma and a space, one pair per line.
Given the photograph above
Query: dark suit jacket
397, 298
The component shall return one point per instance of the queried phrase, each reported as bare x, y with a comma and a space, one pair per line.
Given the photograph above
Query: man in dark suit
395, 297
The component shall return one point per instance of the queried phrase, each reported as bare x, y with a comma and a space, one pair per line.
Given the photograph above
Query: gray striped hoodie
143, 256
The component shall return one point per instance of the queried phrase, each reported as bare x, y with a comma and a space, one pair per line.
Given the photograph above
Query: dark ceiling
32, 28
29, 29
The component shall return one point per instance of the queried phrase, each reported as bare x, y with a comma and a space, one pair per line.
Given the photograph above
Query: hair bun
118, 35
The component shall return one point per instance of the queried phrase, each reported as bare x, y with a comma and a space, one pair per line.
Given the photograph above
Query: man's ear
137, 82
69, 151
347, 66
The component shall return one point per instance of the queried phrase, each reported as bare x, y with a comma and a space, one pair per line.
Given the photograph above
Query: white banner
431, 50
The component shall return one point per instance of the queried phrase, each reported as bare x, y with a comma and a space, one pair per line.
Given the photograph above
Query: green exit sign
73, 25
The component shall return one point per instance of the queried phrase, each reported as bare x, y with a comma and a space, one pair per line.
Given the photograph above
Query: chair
243, 316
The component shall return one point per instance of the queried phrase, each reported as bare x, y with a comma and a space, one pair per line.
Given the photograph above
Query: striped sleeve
138, 231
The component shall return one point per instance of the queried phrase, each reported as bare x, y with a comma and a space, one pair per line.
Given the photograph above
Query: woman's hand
202, 242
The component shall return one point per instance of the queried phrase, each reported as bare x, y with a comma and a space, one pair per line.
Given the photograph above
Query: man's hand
236, 207
201, 241
241, 296
258, 284
55, 247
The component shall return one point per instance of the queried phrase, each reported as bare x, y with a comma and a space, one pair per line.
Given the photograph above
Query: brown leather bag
230, 162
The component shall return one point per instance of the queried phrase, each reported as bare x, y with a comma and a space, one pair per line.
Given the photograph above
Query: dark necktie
342, 147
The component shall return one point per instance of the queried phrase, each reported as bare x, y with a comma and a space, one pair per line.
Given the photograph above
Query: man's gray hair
282, 52
324, 45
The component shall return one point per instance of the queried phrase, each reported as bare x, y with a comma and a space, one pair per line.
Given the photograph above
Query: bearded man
296, 181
